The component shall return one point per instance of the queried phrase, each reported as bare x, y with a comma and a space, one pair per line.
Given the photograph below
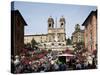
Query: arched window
62, 24
59, 43
50, 25
52, 43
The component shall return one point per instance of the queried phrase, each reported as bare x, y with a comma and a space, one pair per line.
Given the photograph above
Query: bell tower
77, 27
62, 34
50, 29
62, 22
50, 22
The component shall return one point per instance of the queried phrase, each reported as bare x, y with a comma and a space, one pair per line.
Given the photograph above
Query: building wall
48, 39
91, 33
17, 32
94, 23
37, 38
19, 37
78, 37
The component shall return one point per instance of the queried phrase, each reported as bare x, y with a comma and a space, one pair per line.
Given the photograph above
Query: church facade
55, 39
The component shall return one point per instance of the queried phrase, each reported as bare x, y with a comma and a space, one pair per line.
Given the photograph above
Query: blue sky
37, 14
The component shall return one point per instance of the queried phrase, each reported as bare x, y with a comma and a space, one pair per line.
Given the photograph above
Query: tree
33, 43
28, 45
69, 41
79, 46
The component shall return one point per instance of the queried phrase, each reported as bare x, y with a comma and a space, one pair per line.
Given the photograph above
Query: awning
67, 55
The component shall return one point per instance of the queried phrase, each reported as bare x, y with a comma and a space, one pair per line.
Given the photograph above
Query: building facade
77, 35
55, 39
17, 32
90, 34
41, 39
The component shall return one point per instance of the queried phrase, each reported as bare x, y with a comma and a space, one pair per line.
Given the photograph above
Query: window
50, 38
52, 43
50, 25
61, 24
59, 43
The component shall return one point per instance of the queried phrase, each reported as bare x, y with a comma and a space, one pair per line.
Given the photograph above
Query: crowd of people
48, 63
